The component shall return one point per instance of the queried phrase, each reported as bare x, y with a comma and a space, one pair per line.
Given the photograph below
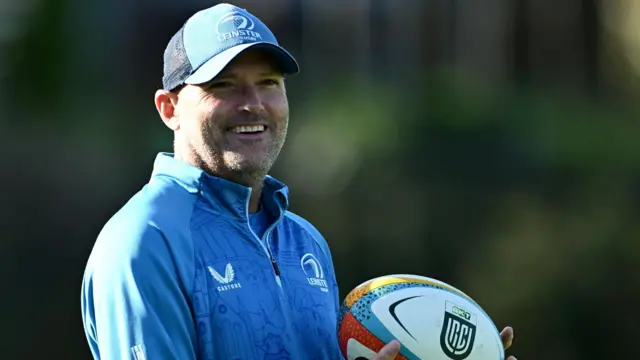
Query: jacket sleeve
134, 305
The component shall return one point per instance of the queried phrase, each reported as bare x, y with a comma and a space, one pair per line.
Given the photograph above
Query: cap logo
236, 25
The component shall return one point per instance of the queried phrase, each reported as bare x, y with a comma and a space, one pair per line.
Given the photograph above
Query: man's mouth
248, 129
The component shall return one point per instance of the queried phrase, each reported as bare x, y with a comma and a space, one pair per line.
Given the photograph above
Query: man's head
223, 94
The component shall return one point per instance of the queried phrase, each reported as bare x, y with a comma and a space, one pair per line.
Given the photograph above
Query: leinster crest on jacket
458, 332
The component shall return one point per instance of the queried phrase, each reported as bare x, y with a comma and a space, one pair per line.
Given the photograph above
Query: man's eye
271, 82
220, 85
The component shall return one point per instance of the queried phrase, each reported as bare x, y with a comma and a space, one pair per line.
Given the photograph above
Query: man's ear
166, 102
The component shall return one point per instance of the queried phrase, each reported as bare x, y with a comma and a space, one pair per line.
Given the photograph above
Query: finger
507, 337
512, 358
389, 351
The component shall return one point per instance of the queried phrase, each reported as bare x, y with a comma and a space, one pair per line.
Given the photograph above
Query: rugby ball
431, 320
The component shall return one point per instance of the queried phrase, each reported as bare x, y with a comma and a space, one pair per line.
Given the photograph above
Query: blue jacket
178, 273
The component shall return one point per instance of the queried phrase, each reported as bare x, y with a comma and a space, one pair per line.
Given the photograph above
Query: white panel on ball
416, 317
356, 350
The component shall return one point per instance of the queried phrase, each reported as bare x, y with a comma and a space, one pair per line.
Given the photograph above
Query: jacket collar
223, 196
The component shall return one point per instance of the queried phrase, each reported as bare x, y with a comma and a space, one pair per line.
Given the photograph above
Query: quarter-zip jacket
178, 273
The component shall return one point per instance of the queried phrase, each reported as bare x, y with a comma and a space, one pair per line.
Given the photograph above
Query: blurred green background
489, 144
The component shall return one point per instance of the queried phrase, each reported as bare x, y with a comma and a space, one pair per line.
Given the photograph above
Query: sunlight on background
621, 19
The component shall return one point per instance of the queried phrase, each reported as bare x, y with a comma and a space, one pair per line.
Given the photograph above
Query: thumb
389, 351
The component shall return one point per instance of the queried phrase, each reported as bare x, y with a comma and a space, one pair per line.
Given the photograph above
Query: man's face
235, 125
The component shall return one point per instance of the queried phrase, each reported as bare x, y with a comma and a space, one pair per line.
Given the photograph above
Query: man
206, 262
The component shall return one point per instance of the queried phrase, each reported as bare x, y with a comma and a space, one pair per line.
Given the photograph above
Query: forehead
251, 59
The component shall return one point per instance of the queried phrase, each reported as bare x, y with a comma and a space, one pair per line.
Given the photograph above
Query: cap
211, 38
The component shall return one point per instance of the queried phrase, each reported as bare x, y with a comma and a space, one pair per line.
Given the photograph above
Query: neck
254, 201
254, 182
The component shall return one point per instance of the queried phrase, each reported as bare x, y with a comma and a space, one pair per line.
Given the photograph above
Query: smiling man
206, 261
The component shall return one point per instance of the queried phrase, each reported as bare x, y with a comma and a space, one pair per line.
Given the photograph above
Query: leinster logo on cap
458, 332
236, 25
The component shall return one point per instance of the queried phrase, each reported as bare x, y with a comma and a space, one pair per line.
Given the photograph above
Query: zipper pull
275, 266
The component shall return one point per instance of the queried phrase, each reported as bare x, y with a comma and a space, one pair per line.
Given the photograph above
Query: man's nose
250, 100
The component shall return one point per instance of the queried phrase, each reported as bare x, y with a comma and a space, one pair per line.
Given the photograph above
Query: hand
507, 339
389, 351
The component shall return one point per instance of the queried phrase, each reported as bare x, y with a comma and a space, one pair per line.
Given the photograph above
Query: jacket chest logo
226, 282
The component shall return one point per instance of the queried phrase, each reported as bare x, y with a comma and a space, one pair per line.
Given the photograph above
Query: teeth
248, 129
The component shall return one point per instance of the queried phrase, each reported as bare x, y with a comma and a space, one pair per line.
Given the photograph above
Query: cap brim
210, 69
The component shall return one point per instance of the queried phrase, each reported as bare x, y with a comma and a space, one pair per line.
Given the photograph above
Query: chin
250, 167
247, 173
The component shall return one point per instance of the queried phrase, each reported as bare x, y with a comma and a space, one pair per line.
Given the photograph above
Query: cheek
278, 108
194, 116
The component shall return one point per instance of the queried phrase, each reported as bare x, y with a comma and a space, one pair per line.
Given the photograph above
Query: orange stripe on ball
355, 295
373, 284
350, 328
